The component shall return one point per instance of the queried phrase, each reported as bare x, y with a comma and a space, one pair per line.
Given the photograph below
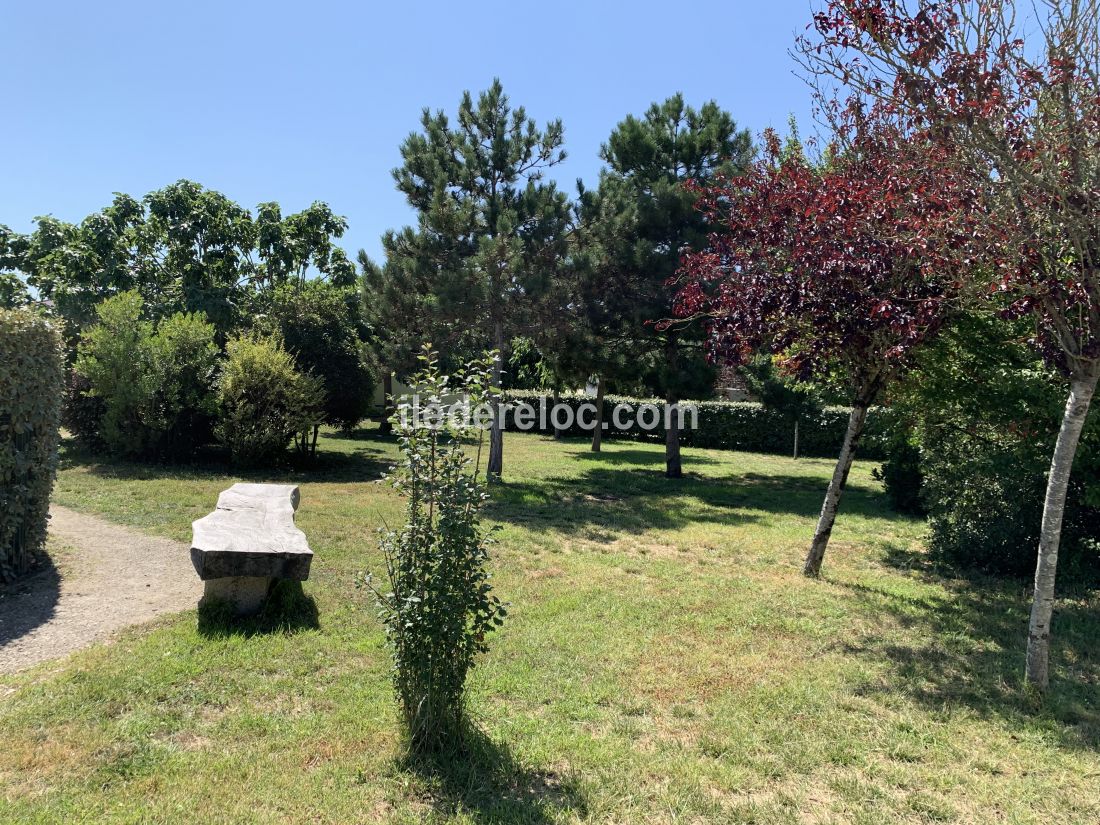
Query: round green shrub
263, 400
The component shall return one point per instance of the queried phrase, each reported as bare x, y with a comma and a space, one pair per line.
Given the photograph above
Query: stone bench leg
245, 593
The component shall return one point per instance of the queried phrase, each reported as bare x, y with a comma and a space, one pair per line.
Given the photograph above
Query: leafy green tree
74, 267
983, 410
320, 324
491, 233
195, 248
644, 218
183, 248
289, 247
13, 289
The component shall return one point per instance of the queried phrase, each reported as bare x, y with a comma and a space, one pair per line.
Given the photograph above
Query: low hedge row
31, 389
726, 425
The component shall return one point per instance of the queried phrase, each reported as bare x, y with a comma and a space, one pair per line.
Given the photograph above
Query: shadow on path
29, 602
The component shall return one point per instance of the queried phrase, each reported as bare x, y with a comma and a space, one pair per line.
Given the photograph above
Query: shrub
320, 326
82, 412
900, 473
155, 383
263, 400
985, 412
31, 385
439, 606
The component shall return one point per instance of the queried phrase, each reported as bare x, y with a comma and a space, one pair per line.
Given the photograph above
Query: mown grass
664, 661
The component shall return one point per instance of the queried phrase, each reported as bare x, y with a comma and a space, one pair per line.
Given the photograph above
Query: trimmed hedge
31, 389
731, 425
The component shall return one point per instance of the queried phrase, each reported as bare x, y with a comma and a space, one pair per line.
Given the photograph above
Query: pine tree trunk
796, 439
856, 420
672, 432
386, 427
1046, 567
495, 466
597, 433
673, 468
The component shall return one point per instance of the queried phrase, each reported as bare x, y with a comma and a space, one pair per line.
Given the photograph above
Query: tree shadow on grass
360, 434
288, 610
484, 782
637, 458
634, 500
963, 647
337, 467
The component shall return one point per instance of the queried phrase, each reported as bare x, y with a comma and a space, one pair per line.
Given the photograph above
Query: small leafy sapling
439, 606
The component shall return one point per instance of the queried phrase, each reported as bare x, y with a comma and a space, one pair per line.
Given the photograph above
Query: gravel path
115, 577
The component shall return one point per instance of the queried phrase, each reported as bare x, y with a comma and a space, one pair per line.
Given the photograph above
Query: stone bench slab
250, 535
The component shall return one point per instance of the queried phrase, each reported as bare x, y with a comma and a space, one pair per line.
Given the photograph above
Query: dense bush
320, 324
31, 386
264, 400
82, 412
156, 382
985, 412
439, 604
736, 425
900, 473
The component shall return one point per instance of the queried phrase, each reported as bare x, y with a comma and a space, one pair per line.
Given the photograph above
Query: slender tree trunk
1046, 567
385, 428
856, 420
796, 439
597, 432
673, 468
672, 432
495, 466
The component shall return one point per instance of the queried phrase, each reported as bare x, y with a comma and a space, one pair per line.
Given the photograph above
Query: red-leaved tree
1017, 93
844, 267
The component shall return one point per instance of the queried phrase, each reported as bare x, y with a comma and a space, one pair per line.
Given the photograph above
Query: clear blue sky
297, 102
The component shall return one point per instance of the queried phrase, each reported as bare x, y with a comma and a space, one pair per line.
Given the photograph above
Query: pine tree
645, 218
491, 232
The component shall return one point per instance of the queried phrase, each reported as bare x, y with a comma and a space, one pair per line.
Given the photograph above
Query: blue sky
297, 102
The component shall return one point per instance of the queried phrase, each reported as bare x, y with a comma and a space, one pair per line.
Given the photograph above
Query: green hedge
734, 425
31, 389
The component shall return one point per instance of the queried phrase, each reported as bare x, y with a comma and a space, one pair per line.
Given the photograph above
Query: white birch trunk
856, 420
1046, 566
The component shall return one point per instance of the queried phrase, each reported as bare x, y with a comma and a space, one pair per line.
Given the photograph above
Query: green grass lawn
664, 661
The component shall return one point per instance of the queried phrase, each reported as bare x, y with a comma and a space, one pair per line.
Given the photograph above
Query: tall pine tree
491, 232
645, 219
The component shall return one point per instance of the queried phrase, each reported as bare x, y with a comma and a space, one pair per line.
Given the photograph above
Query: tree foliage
842, 267
155, 379
320, 324
264, 401
1019, 95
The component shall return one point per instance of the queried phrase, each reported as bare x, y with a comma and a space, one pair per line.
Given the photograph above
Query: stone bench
248, 542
